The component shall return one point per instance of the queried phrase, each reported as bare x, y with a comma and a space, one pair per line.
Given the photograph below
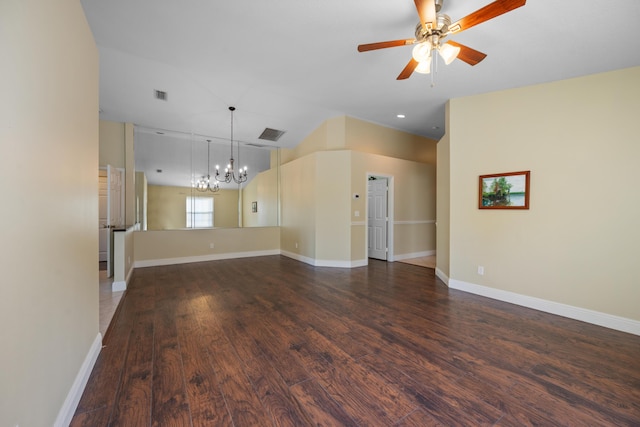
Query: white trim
298, 257
440, 274
577, 313
428, 221
118, 286
400, 257
201, 258
77, 388
325, 263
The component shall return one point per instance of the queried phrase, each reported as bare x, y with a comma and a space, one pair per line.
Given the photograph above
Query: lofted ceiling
292, 64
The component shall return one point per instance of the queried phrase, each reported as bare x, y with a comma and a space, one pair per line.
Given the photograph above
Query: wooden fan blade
490, 11
468, 55
383, 45
427, 12
408, 70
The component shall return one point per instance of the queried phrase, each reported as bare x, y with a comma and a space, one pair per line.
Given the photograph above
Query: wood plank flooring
270, 341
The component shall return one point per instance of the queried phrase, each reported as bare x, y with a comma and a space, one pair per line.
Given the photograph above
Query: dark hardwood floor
272, 341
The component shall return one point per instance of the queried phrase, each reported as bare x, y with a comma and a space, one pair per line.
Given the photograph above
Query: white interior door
114, 210
103, 221
377, 220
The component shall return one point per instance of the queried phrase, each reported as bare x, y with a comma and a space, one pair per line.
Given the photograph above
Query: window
199, 212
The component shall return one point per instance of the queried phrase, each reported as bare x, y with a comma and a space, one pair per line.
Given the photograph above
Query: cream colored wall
166, 207
129, 174
298, 206
179, 245
442, 205
49, 293
332, 207
263, 189
578, 242
348, 133
112, 144
375, 139
414, 195
322, 138
318, 213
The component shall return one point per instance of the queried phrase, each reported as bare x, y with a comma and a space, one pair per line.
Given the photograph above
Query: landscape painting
504, 191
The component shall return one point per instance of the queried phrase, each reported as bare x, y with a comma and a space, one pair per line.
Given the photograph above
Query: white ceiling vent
161, 95
269, 134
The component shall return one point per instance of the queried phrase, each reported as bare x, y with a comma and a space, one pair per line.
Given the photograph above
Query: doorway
110, 212
379, 234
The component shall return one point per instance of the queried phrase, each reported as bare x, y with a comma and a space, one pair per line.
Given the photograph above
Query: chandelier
429, 41
204, 183
229, 172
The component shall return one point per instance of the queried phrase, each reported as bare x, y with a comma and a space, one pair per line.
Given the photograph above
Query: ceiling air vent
251, 144
269, 134
161, 95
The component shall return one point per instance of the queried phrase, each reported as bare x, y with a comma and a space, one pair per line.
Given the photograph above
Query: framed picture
254, 207
504, 191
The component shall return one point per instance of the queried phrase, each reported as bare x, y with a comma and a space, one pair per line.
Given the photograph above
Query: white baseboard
400, 257
118, 286
201, 258
440, 274
577, 313
325, 262
77, 388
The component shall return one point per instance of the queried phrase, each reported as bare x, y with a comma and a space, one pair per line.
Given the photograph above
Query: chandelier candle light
204, 183
229, 173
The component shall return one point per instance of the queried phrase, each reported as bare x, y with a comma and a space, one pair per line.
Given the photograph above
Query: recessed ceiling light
159, 170
401, 116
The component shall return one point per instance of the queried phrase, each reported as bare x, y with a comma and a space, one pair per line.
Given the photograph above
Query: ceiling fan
434, 26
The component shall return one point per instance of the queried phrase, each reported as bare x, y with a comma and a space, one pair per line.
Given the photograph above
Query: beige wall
262, 189
578, 243
298, 207
166, 207
348, 133
129, 177
176, 246
332, 204
49, 293
413, 211
318, 209
375, 139
112, 144
319, 214
442, 206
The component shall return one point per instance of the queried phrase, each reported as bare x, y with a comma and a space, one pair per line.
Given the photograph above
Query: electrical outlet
211, 245
481, 270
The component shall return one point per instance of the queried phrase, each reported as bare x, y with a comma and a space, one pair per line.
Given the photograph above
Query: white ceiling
292, 64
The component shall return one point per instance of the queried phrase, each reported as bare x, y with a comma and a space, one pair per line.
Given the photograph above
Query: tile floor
108, 301
425, 261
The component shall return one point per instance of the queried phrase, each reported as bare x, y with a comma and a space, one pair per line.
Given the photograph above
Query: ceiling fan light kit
434, 27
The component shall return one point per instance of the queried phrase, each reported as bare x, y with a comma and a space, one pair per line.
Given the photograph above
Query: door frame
390, 215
